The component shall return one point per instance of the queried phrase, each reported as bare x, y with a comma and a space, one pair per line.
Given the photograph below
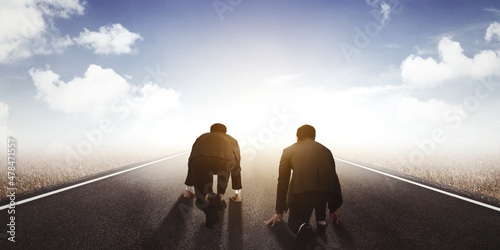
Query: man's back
215, 145
313, 167
314, 184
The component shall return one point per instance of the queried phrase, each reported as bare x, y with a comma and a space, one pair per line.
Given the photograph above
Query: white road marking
173, 156
88, 182
424, 186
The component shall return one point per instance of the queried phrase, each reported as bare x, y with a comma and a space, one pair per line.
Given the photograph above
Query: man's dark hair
306, 131
218, 127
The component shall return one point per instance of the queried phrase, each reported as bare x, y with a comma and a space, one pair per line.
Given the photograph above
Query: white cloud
27, 27
385, 10
453, 64
372, 2
61, 8
4, 115
382, 8
92, 94
493, 10
114, 39
155, 101
98, 91
412, 111
282, 79
493, 31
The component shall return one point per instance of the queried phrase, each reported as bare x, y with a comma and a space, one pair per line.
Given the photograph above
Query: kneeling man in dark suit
314, 184
214, 153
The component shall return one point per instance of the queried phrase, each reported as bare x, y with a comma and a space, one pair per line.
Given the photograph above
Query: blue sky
374, 73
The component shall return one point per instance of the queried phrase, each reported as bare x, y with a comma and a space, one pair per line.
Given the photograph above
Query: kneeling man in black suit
314, 184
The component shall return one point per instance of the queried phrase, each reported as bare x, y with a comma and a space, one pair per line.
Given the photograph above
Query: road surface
143, 209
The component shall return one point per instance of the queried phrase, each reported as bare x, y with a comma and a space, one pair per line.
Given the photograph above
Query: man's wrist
237, 191
189, 188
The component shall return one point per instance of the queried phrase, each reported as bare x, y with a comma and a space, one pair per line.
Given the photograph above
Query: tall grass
479, 173
39, 170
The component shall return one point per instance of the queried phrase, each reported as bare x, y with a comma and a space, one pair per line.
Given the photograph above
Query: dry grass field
477, 173
36, 171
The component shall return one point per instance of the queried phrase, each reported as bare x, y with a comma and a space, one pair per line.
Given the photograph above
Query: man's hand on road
188, 194
335, 216
274, 218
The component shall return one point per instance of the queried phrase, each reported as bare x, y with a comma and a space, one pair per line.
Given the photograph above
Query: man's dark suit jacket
313, 171
218, 145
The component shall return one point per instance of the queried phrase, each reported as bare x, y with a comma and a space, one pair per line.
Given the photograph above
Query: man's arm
283, 182
335, 201
189, 177
236, 182
236, 170
188, 193
282, 190
236, 173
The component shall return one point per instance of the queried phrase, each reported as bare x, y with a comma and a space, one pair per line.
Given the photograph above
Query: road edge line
424, 186
88, 182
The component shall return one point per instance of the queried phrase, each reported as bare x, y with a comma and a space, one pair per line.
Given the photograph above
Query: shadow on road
282, 235
210, 238
235, 225
172, 228
344, 236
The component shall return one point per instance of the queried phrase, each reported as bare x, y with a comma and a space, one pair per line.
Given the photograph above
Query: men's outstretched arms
335, 200
335, 217
282, 189
274, 218
236, 173
189, 192
285, 170
236, 183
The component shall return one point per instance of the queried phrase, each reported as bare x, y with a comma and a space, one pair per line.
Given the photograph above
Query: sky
411, 75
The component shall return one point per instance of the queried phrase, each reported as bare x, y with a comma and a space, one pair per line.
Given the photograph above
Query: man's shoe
213, 200
320, 229
304, 235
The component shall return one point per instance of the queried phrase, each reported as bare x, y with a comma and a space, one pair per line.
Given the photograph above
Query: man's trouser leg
202, 170
300, 212
223, 171
320, 211
301, 209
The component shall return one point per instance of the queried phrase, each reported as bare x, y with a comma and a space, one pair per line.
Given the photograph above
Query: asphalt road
143, 209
